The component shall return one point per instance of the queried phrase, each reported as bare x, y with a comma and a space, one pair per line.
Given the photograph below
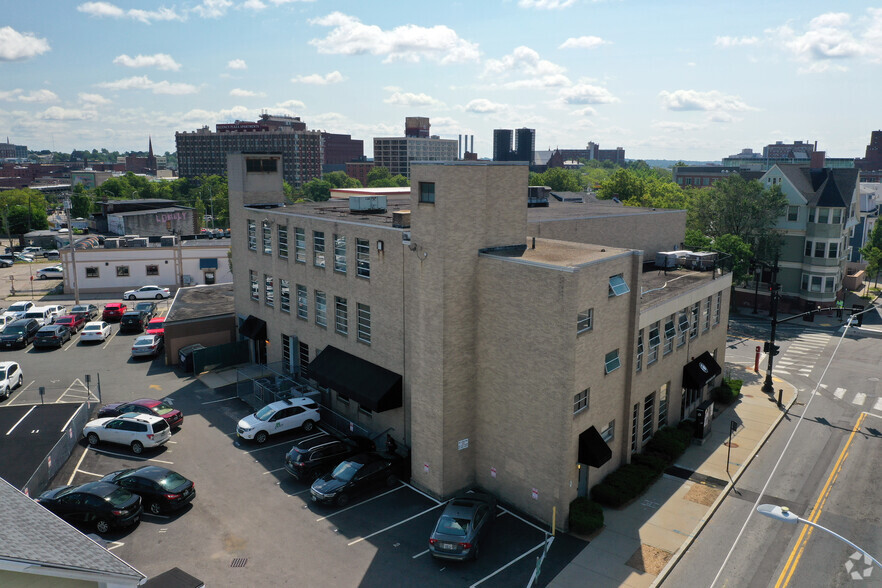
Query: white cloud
522, 60
145, 83
212, 8
666, 125
335, 77
237, 64
15, 46
256, 5
158, 60
587, 111
349, 36
694, 100
58, 113
584, 42
411, 99
280, 2
552, 81
108, 10
240, 93
92, 99
37, 96
546, 4
586, 94
735, 41
484, 106
292, 104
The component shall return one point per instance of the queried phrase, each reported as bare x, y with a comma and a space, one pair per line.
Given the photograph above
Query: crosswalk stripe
839, 393
878, 405
785, 372
859, 399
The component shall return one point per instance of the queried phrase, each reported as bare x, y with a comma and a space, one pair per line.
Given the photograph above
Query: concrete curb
723, 494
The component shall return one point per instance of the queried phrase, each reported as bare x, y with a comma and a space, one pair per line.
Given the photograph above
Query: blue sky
672, 80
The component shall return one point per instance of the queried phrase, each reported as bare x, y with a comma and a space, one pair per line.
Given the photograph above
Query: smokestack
473, 143
459, 148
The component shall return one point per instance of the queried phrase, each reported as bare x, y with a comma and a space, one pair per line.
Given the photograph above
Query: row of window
340, 308
585, 319
815, 283
339, 244
819, 215
828, 249
122, 271
676, 326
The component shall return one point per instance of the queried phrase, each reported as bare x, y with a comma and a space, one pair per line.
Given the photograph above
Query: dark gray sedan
463, 526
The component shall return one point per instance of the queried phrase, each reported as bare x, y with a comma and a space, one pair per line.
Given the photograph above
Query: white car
135, 430
278, 417
95, 331
57, 310
5, 319
147, 293
10, 377
50, 272
19, 309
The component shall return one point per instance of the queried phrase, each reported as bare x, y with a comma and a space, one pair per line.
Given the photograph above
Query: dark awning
253, 328
593, 450
208, 263
371, 386
700, 371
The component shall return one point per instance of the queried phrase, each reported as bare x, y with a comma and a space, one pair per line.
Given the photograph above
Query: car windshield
63, 320
18, 307
346, 470
264, 413
449, 525
118, 497
79, 309
162, 409
173, 480
14, 330
144, 341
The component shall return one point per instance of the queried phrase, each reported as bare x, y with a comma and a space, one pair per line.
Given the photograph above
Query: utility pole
774, 289
73, 252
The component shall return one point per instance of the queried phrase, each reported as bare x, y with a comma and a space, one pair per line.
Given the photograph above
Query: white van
42, 314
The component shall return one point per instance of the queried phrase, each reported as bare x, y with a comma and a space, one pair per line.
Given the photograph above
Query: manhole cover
239, 562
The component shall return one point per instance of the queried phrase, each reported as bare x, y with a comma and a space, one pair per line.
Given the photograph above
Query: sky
664, 80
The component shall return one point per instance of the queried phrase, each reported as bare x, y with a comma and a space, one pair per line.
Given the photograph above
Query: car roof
148, 402
99, 323
6, 364
113, 305
288, 402
313, 442
157, 319
50, 328
72, 317
133, 311
137, 416
150, 472
101, 489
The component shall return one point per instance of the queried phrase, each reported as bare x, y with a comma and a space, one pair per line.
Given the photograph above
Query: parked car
161, 490
147, 293
278, 417
87, 311
52, 255
41, 314
148, 307
133, 320
161, 408
19, 333
10, 377
74, 322
357, 475
113, 311
52, 336
5, 319
462, 526
57, 311
319, 454
23, 257
135, 430
20, 308
50, 272
95, 331
5, 261
33, 251
100, 504
154, 327
147, 346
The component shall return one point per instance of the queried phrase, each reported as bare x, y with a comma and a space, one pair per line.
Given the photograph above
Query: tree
873, 255
378, 173
199, 213
340, 180
317, 190
741, 255
624, 185
80, 203
697, 241
400, 181
559, 180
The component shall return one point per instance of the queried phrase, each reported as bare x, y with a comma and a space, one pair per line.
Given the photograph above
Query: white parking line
135, 457
74, 473
512, 562
221, 400
269, 446
115, 545
273, 471
109, 339
423, 493
20, 392
420, 553
89, 473
20, 420
360, 503
522, 519
360, 539
878, 405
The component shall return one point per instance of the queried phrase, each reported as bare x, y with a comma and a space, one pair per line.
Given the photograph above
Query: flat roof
561, 254
150, 211
658, 286
196, 302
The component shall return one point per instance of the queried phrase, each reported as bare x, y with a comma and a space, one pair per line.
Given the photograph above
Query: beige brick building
500, 344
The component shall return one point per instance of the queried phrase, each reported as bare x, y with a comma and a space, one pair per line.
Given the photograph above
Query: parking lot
251, 521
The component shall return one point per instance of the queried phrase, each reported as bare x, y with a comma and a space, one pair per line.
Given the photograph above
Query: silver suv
133, 429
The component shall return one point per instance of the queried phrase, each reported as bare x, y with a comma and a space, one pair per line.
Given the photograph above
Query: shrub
728, 391
586, 516
624, 484
670, 441
654, 461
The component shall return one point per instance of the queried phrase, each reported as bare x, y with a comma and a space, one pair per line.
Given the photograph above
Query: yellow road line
815, 514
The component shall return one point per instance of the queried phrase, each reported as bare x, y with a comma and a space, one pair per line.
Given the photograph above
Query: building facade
524, 144
397, 153
501, 356
704, 176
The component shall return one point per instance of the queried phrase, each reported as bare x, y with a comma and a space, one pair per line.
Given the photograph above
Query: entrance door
209, 277
583, 480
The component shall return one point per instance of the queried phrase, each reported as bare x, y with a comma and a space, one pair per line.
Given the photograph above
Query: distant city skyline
670, 80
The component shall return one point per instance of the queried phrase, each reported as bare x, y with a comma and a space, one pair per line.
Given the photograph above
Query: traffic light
769, 348
856, 312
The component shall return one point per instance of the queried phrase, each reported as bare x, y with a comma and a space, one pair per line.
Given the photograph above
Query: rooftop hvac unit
401, 219
139, 242
367, 203
701, 260
111, 243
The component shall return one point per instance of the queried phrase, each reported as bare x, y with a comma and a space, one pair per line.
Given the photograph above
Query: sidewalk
640, 543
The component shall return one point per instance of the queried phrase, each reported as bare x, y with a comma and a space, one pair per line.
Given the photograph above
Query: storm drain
239, 562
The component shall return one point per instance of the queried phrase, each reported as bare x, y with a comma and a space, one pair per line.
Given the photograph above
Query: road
820, 462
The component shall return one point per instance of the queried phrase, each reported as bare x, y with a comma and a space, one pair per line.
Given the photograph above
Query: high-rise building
501, 144
524, 144
397, 153
872, 160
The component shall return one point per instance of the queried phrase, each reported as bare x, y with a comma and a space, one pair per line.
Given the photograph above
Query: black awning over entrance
253, 328
700, 371
371, 386
593, 450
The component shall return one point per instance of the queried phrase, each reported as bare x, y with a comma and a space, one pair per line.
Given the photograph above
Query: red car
172, 416
74, 322
154, 327
113, 311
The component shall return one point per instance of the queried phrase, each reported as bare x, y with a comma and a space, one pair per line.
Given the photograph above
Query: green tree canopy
317, 190
697, 241
25, 209
741, 255
378, 173
559, 180
339, 179
80, 203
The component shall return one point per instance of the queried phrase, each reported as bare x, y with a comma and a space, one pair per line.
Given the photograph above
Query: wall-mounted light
106, 263
166, 262
379, 245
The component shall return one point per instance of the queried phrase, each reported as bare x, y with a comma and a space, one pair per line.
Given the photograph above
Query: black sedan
134, 320
52, 336
318, 454
99, 504
87, 311
160, 489
461, 527
147, 307
356, 476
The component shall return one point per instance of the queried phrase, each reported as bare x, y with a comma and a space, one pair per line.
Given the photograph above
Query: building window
663, 405
92, 272
609, 433
670, 332
267, 229
152, 270
611, 362
340, 253
580, 401
299, 245
266, 164
648, 416
635, 415
808, 248
321, 309
718, 310
302, 303
707, 313
318, 248
654, 342
252, 235
122, 271
286, 350
793, 213
255, 288
816, 283
837, 216
427, 192
823, 216
363, 312
617, 286
828, 284
585, 321
639, 361
682, 328
268, 290
696, 309
820, 248
285, 295
341, 315
283, 241
833, 251
811, 214
363, 258
303, 355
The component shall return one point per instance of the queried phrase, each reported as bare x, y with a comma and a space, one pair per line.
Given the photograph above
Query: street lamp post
73, 252
783, 514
